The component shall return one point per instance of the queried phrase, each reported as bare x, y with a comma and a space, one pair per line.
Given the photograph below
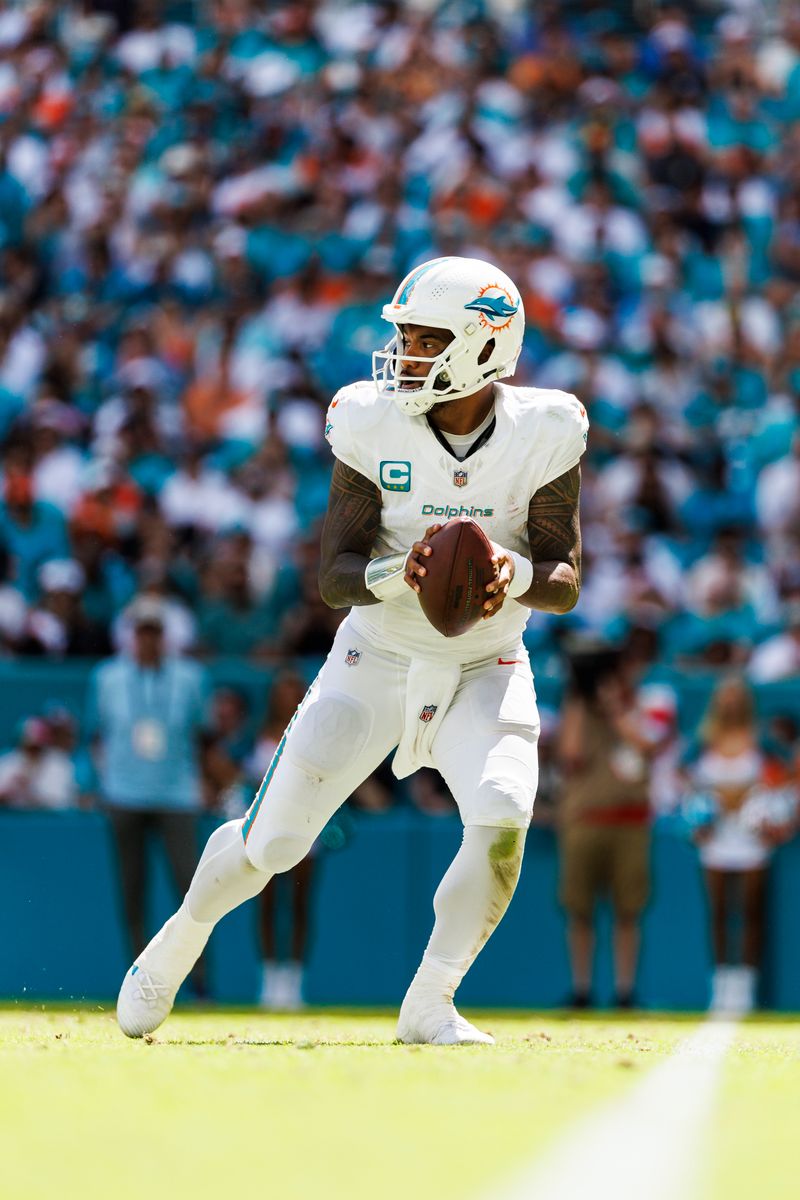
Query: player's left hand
497, 590
415, 562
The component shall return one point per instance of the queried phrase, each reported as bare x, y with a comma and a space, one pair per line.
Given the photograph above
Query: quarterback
435, 434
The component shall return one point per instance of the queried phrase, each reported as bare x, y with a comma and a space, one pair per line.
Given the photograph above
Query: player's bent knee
277, 852
505, 798
504, 807
331, 732
226, 835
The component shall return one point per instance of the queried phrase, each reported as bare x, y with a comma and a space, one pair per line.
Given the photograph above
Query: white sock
269, 973
719, 986
293, 985
177, 946
744, 988
469, 903
224, 878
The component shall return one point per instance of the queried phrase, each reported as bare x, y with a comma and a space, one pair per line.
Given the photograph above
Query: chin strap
384, 576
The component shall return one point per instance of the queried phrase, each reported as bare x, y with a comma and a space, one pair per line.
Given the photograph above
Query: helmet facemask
451, 374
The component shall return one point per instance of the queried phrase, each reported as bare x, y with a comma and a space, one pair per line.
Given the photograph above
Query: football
453, 591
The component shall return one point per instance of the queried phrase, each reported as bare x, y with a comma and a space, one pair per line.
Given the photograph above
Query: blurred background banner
202, 208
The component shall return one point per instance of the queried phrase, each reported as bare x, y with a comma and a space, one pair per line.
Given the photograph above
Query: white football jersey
539, 434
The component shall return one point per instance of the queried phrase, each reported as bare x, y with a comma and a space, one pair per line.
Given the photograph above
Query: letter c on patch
395, 476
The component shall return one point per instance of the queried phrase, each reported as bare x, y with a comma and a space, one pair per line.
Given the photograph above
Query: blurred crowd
202, 206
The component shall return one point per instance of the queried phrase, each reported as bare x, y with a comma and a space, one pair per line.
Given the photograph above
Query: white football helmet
474, 300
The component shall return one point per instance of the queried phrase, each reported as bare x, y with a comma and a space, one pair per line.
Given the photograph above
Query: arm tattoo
351, 526
554, 533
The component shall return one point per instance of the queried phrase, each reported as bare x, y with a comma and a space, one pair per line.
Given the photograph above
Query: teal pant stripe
254, 807
262, 791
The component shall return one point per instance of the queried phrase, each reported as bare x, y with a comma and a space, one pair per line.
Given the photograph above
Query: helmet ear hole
487, 351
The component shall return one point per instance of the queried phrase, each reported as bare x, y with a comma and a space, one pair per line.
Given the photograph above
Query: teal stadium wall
64, 938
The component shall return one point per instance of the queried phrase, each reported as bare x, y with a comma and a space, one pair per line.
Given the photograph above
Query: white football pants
350, 719
348, 722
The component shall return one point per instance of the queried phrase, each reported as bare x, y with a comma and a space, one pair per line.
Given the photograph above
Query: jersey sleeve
568, 428
346, 428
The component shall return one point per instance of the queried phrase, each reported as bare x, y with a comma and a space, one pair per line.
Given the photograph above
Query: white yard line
648, 1145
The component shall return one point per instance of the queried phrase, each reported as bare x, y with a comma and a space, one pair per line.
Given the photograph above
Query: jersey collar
480, 440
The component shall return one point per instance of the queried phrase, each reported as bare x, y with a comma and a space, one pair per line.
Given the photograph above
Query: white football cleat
145, 1000
437, 1023
149, 988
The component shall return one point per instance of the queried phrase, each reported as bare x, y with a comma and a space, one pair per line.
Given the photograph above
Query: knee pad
329, 734
278, 852
229, 834
504, 799
507, 788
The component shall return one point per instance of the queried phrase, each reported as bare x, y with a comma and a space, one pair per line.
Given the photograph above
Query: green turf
234, 1104
754, 1153
323, 1105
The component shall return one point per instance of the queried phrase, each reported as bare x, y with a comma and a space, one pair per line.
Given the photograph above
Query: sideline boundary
647, 1143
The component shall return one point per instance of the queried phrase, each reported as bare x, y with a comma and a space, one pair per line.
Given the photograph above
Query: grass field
323, 1105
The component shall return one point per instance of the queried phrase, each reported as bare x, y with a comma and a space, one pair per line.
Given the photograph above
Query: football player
435, 434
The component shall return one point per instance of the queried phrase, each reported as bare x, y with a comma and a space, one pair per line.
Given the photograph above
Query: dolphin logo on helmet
497, 309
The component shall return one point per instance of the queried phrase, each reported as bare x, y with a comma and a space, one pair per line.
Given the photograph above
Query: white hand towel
430, 687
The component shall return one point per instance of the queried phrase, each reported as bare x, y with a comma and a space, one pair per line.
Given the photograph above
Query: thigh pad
329, 733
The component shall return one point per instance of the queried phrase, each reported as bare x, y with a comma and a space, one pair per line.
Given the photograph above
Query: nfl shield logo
460, 478
353, 658
427, 713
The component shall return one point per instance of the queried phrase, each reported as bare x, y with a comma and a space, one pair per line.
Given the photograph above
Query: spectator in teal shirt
231, 619
31, 530
147, 713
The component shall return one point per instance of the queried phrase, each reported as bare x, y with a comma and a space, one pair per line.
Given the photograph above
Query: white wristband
385, 577
523, 575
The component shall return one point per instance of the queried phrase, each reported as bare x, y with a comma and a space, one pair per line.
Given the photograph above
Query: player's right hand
419, 552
